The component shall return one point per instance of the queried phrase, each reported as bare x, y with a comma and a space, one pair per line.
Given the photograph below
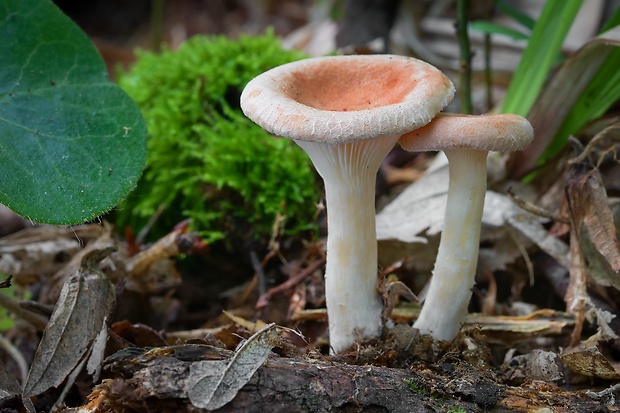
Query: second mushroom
347, 112
466, 140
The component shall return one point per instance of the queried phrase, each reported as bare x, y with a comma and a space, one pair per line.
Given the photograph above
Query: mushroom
466, 141
347, 113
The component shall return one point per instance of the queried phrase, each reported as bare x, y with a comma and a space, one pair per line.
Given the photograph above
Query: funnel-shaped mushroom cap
340, 99
502, 133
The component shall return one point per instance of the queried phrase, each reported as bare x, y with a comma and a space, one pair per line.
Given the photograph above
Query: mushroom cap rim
263, 101
489, 132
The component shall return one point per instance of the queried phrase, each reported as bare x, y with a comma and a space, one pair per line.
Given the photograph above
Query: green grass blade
487, 27
581, 89
539, 55
613, 21
602, 92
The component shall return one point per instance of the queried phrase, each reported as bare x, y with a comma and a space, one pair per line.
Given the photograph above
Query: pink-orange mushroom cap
501, 133
347, 112
466, 141
340, 99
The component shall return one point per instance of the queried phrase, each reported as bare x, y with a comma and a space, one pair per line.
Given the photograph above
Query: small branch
6, 283
535, 209
607, 394
290, 283
38, 321
17, 356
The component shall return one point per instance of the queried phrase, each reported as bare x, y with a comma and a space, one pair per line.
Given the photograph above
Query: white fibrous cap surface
340, 99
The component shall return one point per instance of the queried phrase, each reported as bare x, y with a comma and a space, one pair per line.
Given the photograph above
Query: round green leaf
72, 144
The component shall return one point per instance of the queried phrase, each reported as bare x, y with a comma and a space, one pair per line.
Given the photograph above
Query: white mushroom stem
349, 171
445, 307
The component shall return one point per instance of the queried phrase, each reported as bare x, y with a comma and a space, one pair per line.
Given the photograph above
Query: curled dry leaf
212, 384
590, 207
601, 319
592, 225
97, 352
86, 300
391, 291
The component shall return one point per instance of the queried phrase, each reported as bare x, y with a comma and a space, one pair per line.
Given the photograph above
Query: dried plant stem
17, 356
465, 56
488, 78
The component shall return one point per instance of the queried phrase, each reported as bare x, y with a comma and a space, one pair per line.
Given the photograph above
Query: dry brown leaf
508, 330
212, 384
597, 266
85, 302
7, 282
590, 362
589, 205
589, 210
248, 325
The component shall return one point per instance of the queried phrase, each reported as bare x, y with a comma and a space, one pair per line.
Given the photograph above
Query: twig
141, 237
608, 393
14, 307
595, 141
263, 300
274, 250
526, 257
535, 209
259, 272
6, 283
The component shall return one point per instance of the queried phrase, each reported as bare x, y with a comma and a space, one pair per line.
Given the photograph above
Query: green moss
417, 388
206, 160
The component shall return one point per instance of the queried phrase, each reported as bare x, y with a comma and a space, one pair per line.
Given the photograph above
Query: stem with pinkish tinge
349, 170
445, 307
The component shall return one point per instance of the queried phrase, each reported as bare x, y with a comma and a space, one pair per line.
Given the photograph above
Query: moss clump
206, 160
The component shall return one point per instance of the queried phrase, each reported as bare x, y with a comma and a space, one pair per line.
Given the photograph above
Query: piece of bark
157, 381
281, 385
